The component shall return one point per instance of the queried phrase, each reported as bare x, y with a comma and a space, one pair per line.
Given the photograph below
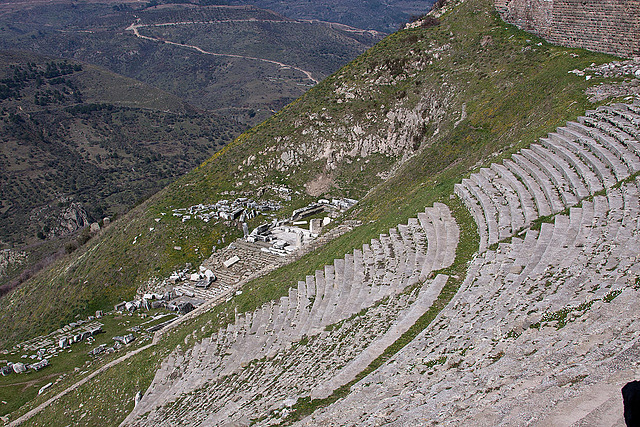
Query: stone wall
611, 26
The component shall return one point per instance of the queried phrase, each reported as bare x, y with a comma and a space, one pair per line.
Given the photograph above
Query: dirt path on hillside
98, 371
135, 29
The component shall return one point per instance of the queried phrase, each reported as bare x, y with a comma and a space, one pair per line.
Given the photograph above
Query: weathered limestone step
566, 169
425, 299
334, 297
624, 111
339, 312
279, 323
603, 172
504, 187
616, 128
627, 157
329, 290
542, 201
623, 121
413, 240
559, 236
562, 186
576, 165
351, 299
314, 310
451, 237
541, 178
525, 195
430, 230
420, 240
542, 242
498, 203
611, 159
301, 316
400, 252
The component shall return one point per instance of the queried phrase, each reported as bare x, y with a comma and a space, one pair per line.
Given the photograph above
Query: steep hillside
397, 128
80, 143
341, 139
236, 58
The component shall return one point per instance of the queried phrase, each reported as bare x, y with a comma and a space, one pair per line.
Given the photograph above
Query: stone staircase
545, 329
573, 163
319, 337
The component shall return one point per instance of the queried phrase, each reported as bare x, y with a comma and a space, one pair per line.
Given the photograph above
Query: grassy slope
112, 145
514, 91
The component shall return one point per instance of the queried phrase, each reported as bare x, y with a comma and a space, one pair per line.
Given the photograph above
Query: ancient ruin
558, 257
610, 26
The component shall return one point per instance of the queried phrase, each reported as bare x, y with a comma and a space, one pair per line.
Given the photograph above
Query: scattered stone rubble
542, 331
370, 298
265, 248
617, 68
10, 257
43, 348
622, 69
241, 209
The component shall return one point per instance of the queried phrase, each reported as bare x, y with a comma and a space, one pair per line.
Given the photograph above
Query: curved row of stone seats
620, 116
616, 143
617, 121
320, 364
537, 330
569, 165
382, 269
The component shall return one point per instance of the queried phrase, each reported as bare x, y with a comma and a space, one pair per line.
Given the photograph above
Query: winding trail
135, 29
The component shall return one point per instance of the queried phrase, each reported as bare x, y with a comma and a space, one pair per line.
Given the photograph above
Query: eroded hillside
80, 143
430, 104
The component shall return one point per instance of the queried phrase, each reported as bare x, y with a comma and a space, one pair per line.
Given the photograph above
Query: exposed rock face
57, 220
610, 26
394, 130
71, 219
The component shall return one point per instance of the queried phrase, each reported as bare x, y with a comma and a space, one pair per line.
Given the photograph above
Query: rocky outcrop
71, 219
10, 257
56, 220
610, 26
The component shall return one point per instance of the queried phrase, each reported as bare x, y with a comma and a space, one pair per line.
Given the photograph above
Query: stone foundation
610, 26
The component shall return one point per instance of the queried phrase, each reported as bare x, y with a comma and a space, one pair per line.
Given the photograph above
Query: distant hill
236, 58
78, 143
386, 16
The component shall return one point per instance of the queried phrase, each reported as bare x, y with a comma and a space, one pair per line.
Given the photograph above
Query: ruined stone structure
611, 26
543, 331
